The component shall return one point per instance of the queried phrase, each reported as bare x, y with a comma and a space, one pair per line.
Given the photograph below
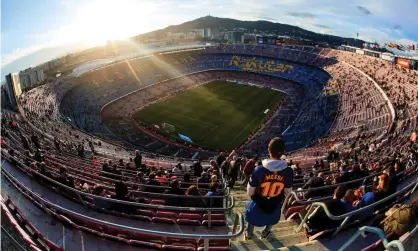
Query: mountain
265, 26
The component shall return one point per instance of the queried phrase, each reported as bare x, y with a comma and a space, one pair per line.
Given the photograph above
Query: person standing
138, 160
248, 169
268, 186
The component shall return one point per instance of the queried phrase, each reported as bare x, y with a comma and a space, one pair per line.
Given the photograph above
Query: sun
100, 21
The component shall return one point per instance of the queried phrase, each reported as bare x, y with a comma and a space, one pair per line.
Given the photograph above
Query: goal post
169, 128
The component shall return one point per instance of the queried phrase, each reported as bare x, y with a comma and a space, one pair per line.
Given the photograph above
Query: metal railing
294, 194
108, 179
346, 217
239, 220
388, 245
80, 195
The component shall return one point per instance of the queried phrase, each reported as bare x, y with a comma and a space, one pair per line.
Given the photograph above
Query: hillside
266, 26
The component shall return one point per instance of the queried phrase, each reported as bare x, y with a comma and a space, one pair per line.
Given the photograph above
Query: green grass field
217, 115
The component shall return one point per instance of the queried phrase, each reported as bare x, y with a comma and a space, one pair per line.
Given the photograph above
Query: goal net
169, 128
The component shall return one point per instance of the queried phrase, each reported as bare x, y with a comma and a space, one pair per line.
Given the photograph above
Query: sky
34, 31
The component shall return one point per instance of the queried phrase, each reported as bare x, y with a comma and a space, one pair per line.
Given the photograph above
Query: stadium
155, 152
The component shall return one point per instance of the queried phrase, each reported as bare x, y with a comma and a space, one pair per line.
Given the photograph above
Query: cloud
301, 14
266, 18
18, 53
323, 26
363, 10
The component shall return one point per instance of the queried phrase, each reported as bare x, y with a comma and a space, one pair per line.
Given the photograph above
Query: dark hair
340, 192
175, 184
414, 207
277, 147
98, 190
63, 170
121, 190
186, 177
193, 190
213, 186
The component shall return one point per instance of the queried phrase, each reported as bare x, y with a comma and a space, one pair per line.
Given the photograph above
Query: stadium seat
163, 220
169, 215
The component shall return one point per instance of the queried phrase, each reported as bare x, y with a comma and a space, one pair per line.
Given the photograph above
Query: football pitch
218, 115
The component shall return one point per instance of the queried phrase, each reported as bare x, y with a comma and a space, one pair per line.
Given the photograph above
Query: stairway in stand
282, 237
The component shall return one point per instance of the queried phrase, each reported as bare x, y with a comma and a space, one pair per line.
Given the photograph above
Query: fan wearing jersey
269, 184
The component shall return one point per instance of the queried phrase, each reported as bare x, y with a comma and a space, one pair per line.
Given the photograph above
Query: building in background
234, 36
13, 88
5, 103
30, 77
211, 33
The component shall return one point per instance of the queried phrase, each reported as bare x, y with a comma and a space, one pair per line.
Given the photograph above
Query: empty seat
148, 213
169, 215
214, 217
164, 220
187, 216
158, 202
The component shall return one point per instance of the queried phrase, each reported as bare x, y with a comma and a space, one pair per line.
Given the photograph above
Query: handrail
173, 208
51, 156
347, 216
294, 193
379, 232
140, 230
149, 186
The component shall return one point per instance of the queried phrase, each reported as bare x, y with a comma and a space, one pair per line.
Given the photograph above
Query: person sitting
320, 221
382, 189
175, 190
197, 168
363, 200
152, 181
96, 163
348, 200
344, 174
45, 171
106, 170
398, 167
177, 168
213, 191
204, 178
213, 165
116, 172
38, 155
122, 193
393, 180
193, 191
314, 182
99, 190
162, 178
63, 177
186, 180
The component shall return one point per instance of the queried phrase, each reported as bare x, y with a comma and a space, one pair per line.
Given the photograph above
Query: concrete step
306, 246
274, 241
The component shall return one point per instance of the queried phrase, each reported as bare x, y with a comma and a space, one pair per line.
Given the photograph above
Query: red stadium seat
173, 247
148, 213
169, 215
163, 220
142, 217
158, 202
187, 216
188, 222
214, 217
